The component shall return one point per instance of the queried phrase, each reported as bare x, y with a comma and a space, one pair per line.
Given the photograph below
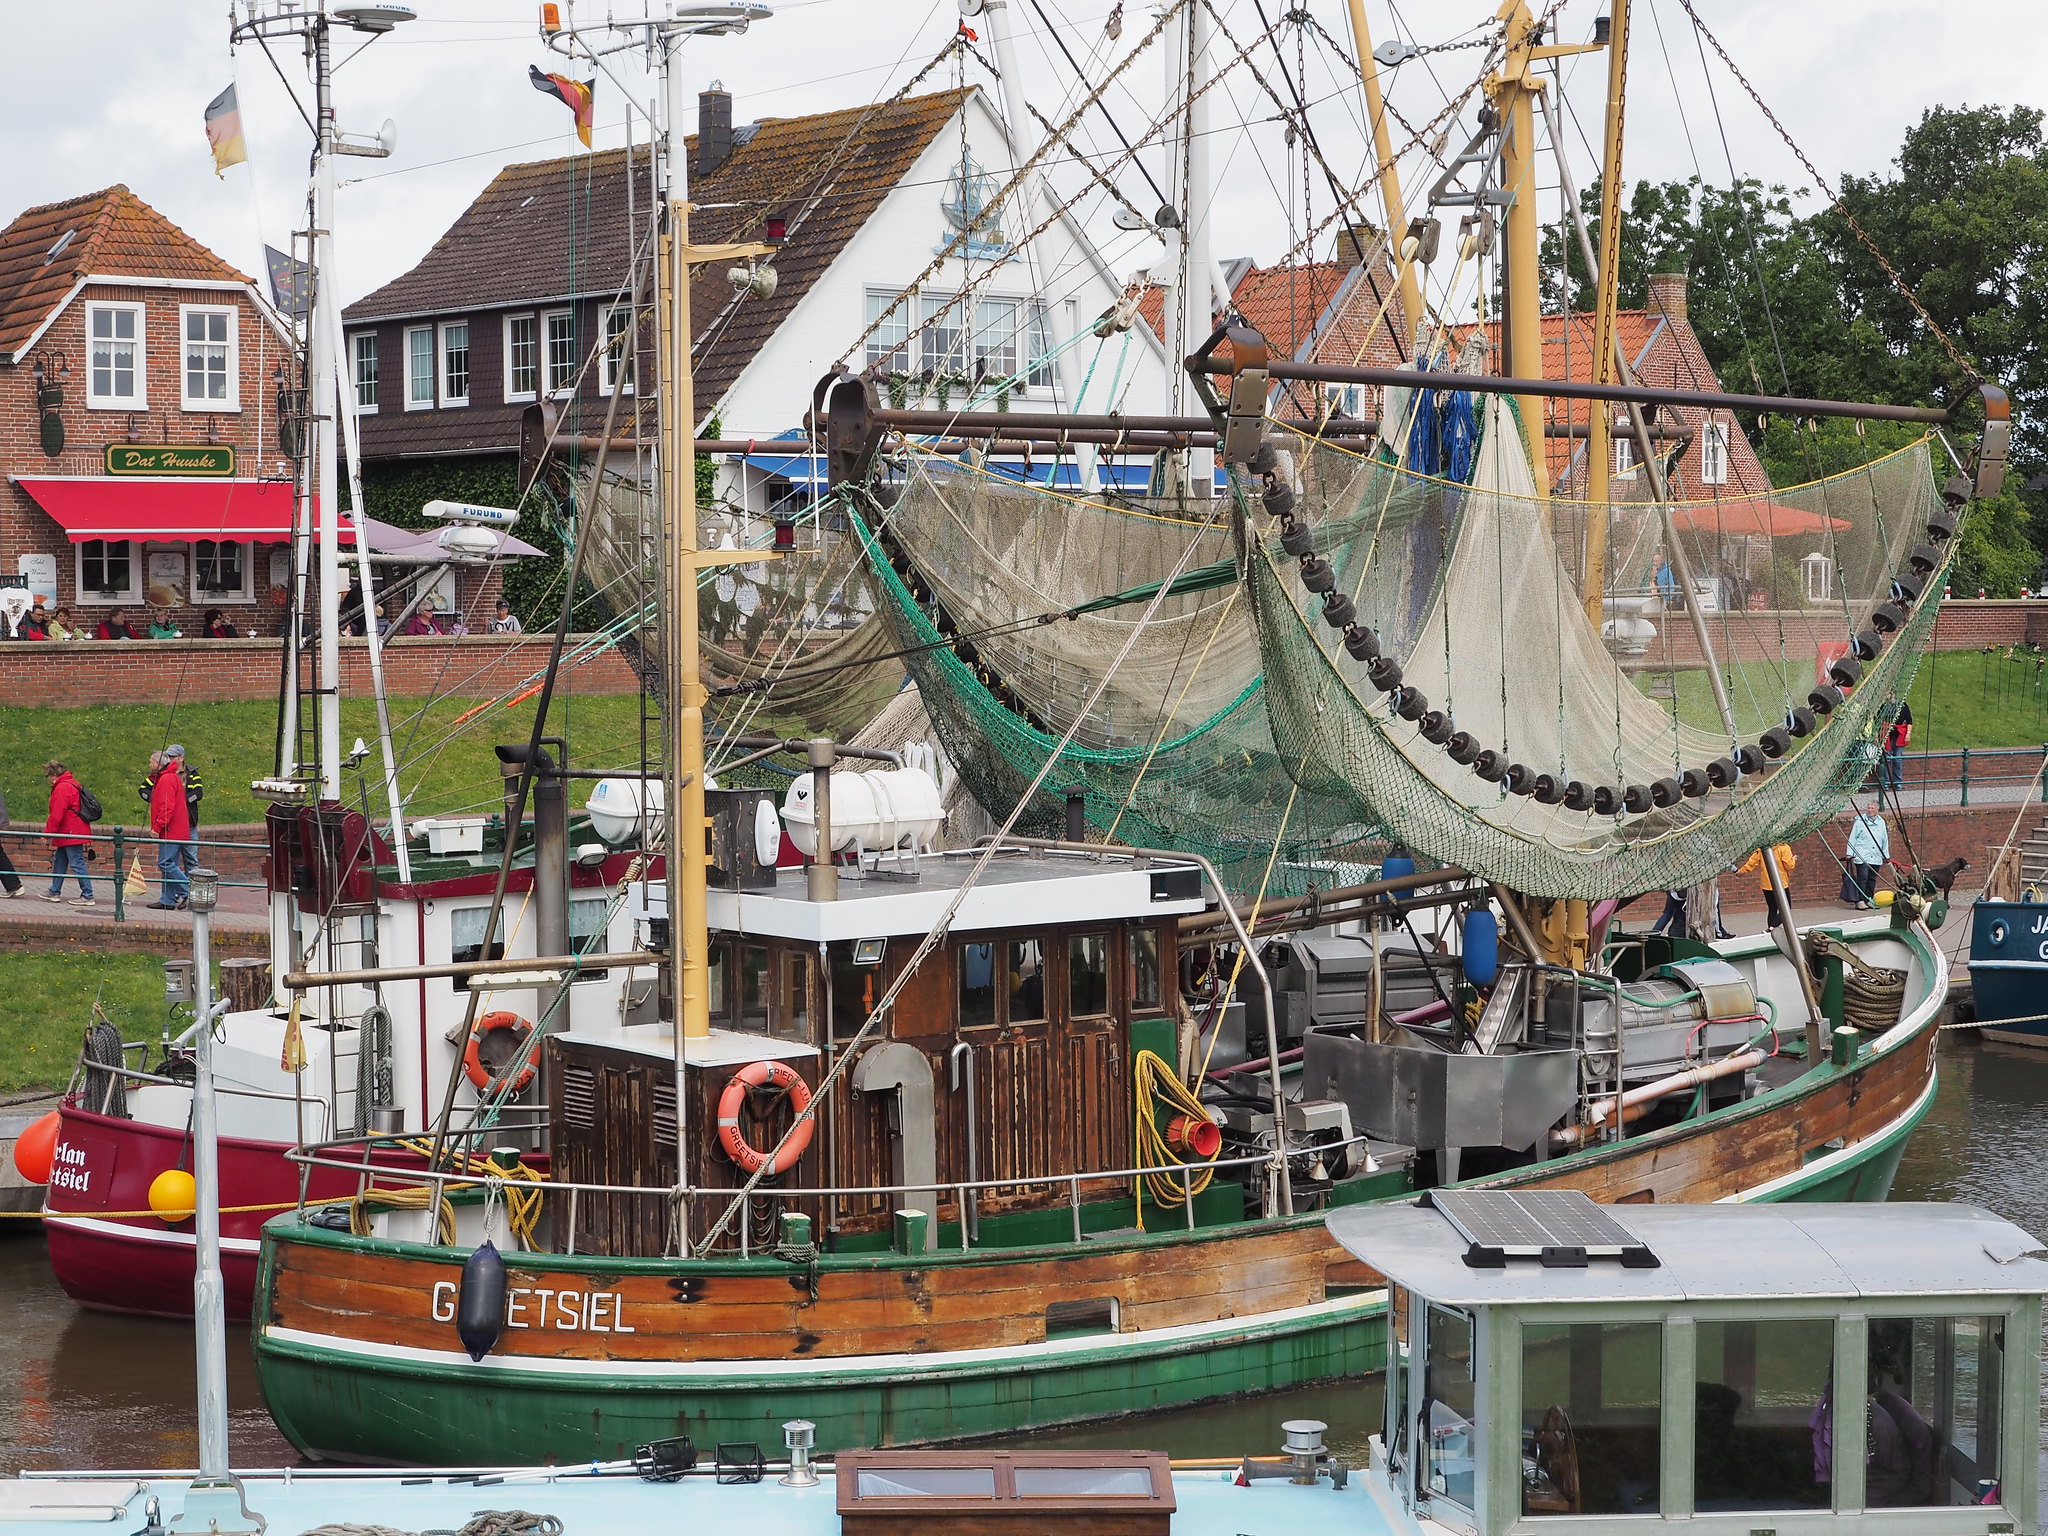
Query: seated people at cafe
115, 626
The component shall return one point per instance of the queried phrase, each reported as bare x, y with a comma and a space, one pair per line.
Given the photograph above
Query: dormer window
114, 357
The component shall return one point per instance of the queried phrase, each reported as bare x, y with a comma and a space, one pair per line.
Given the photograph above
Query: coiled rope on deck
1154, 1079
1873, 996
485, 1522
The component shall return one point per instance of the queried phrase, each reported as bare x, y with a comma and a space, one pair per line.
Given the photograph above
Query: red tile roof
113, 233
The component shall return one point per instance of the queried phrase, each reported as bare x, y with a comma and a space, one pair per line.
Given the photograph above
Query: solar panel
1559, 1228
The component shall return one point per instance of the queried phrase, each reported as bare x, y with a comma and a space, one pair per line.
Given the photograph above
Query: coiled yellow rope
1153, 1079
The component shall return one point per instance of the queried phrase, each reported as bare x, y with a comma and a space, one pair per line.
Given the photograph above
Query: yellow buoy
173, 1195
1883, 898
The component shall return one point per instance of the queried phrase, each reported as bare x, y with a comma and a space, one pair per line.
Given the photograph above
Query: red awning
103, 507
1755, 518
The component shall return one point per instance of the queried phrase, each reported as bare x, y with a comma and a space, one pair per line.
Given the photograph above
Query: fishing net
1178, 751
1475, 590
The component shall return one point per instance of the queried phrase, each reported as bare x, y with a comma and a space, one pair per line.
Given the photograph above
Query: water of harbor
83, 1389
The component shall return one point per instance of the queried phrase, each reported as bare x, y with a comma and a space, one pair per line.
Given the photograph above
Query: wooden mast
1599, 445
1512, 92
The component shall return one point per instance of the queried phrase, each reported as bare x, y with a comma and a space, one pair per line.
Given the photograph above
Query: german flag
577, 95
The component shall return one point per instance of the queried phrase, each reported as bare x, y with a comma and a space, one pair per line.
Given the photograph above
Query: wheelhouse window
1449, 1421
1024, 980
220, 569
560, 331
107, 569
1763, 1414
856, 988
209, 358
363, 353
114, 357
618, 348
455, 363
419, 368
1592, 1417
887, 352
792, 1020
1087, 975
588, 918
977, 984
1935, 1384
755, 978
1145, 993
466, 939
522, 357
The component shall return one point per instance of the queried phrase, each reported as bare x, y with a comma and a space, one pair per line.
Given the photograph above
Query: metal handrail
137, 1075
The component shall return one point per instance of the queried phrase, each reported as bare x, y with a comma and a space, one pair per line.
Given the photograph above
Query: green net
1476, 591
1177, 751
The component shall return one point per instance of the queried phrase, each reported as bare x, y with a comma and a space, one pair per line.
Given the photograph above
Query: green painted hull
455, 1414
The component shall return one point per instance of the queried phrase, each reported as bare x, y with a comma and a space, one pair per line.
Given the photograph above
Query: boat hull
358, 1360
2009, 970
109, 1253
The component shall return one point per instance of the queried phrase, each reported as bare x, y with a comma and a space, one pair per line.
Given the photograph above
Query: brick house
140, 447
504, 309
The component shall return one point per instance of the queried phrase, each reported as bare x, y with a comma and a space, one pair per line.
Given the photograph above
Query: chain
1084, 162
1955, 353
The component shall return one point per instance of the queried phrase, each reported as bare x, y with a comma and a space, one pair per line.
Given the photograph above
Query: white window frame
232, 401
413, 377
355, 371
512, 392
989, 364
88, 597
199, 597
1624, 452
1036, 341
444, 391
940, 318
609, 363
139, 401
567, 388
1714, 453
888, 348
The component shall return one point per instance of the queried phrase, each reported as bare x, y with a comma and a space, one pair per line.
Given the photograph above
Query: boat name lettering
565, 1311
68, 1170
2041, 924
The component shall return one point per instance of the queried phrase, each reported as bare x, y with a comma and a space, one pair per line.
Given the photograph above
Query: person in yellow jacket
1787, 861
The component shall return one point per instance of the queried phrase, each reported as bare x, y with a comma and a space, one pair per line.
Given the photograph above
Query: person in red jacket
69, 832
170, 822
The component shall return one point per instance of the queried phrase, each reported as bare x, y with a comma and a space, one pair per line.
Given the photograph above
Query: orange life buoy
482, 1073
763, 1074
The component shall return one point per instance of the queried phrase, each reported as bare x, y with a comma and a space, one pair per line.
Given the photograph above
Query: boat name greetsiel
573, 1311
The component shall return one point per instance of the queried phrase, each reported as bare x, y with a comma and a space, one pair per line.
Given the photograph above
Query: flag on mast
224, 131
578, 96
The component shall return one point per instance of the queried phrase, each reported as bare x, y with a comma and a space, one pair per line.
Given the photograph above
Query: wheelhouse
1553, 1366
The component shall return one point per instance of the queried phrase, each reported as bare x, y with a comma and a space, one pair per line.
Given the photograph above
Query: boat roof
1020, 889
1715, 1253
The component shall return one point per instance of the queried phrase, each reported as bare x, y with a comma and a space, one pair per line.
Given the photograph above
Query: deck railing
323, 1156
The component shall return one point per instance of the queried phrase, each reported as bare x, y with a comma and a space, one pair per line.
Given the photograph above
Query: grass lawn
1959, 698
441, 767
46, 1003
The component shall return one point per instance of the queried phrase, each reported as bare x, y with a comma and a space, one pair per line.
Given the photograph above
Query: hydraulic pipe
1663, 1087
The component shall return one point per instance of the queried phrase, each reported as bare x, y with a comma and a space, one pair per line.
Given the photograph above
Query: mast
1599, 450
322, 410
1389, 175
1512, 92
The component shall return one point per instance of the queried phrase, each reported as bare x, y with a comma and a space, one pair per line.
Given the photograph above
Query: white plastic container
453, 834
614, 808
879, 810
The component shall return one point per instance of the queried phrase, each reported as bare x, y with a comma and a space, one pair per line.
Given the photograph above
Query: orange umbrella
1753, 517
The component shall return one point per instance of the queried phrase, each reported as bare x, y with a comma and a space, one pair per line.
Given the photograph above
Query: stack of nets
1177, 752
1475, 590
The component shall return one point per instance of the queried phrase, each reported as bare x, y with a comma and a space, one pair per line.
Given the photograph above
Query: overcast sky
101, 91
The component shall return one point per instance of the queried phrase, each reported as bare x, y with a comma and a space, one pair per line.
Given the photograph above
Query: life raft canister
482, 1073
763, 1074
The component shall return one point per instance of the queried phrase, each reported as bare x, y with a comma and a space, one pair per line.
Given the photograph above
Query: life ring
480, 1072
763, 1074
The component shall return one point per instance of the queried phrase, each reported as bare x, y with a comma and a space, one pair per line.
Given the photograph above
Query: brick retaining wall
1964, 625
1938, 836
212, 671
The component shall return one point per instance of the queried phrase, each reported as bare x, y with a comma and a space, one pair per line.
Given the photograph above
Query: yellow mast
1389, 177
689, 902
1599, 448
1512, 94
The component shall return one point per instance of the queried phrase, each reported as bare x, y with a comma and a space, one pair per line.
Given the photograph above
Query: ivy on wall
394, 493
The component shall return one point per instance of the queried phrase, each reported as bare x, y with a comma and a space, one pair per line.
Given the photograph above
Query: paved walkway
241, 922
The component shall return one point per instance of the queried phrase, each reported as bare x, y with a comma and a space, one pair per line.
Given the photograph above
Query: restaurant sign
170, 459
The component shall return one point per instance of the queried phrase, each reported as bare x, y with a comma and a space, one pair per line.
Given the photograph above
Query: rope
485, 1522
1872, 995
1154, 1079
